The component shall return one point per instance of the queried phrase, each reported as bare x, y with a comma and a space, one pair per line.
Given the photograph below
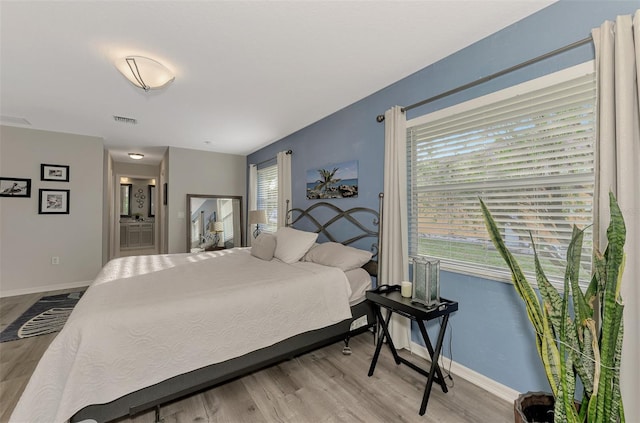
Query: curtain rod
272, 158
380, 118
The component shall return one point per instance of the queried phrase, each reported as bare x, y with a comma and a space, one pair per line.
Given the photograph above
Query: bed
138, 339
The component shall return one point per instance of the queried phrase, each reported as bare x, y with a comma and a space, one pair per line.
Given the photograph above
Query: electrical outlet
55, 260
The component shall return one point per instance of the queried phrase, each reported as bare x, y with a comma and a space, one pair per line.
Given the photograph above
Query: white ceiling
247, 72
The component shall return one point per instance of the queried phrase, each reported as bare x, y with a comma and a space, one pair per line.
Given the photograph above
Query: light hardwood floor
322, 386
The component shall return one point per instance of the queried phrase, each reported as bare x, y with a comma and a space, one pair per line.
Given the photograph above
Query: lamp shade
257, 216
144, 73
218, 227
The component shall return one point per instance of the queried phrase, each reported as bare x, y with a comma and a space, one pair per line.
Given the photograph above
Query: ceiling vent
123, 119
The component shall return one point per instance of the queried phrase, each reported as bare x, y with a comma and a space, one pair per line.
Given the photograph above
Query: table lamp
216, 228
257, 217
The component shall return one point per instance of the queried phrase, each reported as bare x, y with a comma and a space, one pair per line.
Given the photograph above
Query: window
268, 195
528, 152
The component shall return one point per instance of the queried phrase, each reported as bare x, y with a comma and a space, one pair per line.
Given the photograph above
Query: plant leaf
591, 344
521, 284
547, 349
608, 400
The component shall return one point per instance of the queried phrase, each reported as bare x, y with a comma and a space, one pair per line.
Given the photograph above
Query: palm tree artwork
340, 181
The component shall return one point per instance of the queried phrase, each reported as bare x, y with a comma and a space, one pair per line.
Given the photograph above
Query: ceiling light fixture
145, 73
136, 156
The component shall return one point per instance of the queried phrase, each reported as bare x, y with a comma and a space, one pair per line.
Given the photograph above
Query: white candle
405, 289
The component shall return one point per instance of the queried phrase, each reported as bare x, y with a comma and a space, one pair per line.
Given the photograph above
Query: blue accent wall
490, 333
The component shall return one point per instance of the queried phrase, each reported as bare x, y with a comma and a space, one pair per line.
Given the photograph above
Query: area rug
47, 315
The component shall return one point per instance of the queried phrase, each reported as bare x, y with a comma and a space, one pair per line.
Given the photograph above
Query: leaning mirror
214, 223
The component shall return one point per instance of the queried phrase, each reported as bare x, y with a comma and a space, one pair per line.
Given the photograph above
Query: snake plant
578, 334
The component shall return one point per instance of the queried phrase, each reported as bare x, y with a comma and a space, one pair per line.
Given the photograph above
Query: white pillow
292, 244
264, 246
360, 282
337, 255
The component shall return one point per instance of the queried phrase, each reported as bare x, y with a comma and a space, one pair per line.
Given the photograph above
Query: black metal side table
388, 297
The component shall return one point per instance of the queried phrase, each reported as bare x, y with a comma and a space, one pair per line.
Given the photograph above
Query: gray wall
199, 172
161, 210
28, 240
107, 206
136, 170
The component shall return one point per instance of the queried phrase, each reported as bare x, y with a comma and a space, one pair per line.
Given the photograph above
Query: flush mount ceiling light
145, 73
136, 156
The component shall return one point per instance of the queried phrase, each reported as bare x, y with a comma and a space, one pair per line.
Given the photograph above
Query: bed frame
364, 220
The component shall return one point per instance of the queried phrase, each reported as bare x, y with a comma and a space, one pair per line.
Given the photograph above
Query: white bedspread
146, 319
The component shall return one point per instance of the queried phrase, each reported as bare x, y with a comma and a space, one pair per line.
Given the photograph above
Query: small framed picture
52, 172
53, 201
15, 187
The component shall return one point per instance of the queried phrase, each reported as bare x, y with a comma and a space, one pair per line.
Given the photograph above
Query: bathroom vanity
137, 234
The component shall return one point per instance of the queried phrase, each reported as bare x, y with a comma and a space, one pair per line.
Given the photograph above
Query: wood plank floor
322, 386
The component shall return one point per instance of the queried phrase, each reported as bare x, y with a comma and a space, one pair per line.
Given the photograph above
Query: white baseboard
488, 384
44, 288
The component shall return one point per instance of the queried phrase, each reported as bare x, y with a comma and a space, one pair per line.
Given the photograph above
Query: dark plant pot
534, 407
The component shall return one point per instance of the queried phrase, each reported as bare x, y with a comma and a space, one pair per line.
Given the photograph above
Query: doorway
135, 222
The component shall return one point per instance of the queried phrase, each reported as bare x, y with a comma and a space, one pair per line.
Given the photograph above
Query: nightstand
388, 297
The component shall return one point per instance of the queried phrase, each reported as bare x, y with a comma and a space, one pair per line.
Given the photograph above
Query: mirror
125, 200
137, 198
214, 222
152, 201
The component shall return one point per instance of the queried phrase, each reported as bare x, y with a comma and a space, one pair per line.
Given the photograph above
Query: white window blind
528, 152
268, 195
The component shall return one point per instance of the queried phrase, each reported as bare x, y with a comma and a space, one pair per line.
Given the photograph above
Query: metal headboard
321, 216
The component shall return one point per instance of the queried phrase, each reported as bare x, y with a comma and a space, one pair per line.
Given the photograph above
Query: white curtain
394, 249
284, 186
618, 170
253, 198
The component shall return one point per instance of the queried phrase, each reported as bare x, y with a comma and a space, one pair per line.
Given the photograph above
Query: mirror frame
129, 187
232, 197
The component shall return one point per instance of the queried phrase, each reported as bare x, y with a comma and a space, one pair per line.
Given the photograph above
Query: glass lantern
426, 281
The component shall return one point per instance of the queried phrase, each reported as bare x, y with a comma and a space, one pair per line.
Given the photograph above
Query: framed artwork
53, 201
51, 172
335, 181
15, 187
